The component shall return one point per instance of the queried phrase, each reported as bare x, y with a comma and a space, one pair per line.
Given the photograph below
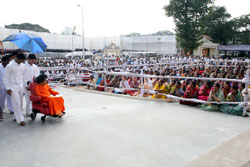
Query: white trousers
28, 103
16, 98
22, 101
3, 97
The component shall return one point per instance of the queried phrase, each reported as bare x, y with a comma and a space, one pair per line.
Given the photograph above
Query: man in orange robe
56, 103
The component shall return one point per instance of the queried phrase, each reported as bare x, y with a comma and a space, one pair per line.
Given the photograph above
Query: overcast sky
101, 17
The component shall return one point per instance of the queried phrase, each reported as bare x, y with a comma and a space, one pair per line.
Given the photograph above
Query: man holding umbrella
13, 81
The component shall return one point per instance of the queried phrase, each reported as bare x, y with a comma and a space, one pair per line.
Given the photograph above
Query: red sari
56, 104
102, 84
190, 94
132, 85
203, 95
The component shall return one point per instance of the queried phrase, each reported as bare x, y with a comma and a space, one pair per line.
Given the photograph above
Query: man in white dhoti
30, 72
3, 93
12, 59
13, 81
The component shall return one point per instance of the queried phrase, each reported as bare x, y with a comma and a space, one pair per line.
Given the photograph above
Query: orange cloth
56, 104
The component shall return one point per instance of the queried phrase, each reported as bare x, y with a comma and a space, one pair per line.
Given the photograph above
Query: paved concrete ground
107, 131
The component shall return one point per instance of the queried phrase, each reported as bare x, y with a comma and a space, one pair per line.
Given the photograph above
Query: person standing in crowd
13, 81
12, 59
31, 71
13, 56
3, 93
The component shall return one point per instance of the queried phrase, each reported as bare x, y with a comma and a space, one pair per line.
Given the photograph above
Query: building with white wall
159, 44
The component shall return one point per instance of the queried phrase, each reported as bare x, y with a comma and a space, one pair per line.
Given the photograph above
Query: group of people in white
16, 74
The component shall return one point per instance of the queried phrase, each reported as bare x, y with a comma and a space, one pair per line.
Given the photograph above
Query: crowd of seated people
205, 90
77, 66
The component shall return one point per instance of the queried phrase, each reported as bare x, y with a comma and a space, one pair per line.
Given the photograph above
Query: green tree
242, 29
166, 32
27, 26
133, 34
217, 25
188, 15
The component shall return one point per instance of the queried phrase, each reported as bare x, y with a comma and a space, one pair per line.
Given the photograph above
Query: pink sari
203, 96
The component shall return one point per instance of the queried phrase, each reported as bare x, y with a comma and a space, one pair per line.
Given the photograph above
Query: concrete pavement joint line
234, 152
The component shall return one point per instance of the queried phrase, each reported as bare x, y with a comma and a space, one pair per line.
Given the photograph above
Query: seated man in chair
56, 103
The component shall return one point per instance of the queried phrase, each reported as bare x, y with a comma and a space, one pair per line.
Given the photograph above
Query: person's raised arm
52, 91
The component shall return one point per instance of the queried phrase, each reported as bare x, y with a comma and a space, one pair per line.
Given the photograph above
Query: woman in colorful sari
234, 109
178, 91
171, 87
43, 90
112, 84
159, 88
204, 91
135, 85
226, 88
191, 92
217, 95
101, 87
99, 79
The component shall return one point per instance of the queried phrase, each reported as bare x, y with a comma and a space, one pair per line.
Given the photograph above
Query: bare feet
22, 123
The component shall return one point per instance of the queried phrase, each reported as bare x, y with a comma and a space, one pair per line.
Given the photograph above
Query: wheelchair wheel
33, 116
43, 118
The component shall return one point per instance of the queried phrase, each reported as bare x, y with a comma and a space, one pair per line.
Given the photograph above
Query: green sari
233, 109
214, 107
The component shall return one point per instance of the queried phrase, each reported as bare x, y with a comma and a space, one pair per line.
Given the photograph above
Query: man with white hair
30, 72
13, 81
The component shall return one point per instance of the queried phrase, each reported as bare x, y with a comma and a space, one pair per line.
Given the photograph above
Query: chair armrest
35, 98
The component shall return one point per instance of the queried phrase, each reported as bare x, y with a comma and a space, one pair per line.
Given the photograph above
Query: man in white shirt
13, 56
30, 72
13, 81
3, 93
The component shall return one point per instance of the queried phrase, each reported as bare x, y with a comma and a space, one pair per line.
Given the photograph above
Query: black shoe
1, 116
245, 115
